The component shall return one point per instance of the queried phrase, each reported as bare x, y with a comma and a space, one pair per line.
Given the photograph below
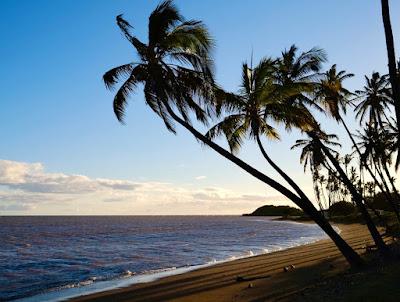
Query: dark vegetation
270, 210
342, 208
377, 282
175, 69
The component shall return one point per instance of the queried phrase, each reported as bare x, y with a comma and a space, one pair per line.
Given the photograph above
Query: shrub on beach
342, 208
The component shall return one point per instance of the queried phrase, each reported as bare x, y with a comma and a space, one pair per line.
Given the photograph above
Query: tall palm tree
375, 100
394, 80
376, 145
346, 162
357, 198
335, 98
384, 153
176, 71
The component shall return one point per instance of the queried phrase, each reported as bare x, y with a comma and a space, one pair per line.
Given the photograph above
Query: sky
62, 151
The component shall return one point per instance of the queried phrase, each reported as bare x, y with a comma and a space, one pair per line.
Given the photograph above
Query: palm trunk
356, 197
351, 256
393, 203
365, 164
394, 81
385, 168
280, 171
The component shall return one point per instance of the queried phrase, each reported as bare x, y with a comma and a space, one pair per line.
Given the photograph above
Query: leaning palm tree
175, 69
302, 71
260, 100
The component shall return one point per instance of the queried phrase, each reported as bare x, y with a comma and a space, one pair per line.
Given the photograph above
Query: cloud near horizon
27, 188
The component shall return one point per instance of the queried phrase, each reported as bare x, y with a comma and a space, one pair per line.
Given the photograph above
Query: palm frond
161, 20
112, 76
125, 28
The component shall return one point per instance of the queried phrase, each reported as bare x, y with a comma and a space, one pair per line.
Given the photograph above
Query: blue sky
55, 110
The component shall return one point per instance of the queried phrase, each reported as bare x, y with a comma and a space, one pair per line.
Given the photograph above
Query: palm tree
311, 155
335, 98
261, 99
394, 80
384, 152
331, 92
358, 199
375, 100
298, 71
175, 69
377, 148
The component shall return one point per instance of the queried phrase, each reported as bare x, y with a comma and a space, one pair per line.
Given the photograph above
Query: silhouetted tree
394, 80
176, 71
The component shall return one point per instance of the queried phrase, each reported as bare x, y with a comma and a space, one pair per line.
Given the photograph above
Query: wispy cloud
201, 177
29, 188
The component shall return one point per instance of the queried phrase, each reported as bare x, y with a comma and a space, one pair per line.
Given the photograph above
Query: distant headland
270, 210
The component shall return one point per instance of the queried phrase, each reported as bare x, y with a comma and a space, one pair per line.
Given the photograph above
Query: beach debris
289, 268
371, 248
128, 273
239, 278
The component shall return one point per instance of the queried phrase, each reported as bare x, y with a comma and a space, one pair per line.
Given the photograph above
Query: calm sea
51, 258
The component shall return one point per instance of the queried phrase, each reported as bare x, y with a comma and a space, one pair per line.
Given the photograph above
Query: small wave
128, 273
160, 270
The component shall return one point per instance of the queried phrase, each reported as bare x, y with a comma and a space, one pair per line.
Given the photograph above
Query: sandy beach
264, 277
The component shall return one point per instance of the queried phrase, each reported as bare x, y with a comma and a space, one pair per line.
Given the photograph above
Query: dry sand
312, 262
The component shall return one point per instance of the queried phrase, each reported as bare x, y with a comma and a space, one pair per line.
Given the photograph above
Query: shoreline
93, 287
219, 279
218, 282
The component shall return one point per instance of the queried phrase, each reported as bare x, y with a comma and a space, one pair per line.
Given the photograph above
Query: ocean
52, 258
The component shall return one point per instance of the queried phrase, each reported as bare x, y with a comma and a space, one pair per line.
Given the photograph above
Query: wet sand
264, 276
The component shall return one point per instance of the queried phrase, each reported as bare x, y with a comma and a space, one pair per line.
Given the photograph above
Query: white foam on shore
92, 286
86, 288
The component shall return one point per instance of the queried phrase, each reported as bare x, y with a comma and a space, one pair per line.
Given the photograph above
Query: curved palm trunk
394, 81
385, 168
356, 197
280, 171
377, 214
392, 202
351, 256
365, 164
